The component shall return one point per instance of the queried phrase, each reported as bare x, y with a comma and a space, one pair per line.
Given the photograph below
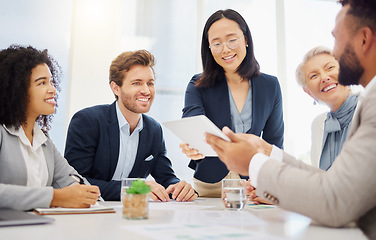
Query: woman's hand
251, 193
258, 200
75, 196
190, 152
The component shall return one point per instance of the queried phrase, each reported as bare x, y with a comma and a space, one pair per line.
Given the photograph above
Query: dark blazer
267, 117
92, 148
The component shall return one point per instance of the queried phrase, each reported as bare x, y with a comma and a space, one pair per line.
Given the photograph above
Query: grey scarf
336, 127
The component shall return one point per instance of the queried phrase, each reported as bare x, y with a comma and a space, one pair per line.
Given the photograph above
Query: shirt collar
124, 123
39, 137
368, 87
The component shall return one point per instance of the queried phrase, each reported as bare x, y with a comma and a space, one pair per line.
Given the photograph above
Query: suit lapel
254, 101
113, 138
142, 147
48, 155
220, 99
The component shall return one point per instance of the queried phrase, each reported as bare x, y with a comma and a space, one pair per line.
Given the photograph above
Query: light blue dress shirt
241, 122
128, 146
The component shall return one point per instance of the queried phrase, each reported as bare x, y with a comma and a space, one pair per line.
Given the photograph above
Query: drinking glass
234, 194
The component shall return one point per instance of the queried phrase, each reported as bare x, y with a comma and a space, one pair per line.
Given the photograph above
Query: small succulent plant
138, 187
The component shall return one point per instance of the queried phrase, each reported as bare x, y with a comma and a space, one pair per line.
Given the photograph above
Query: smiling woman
37, 78
41, 93
31, 169
231, 91
318, 76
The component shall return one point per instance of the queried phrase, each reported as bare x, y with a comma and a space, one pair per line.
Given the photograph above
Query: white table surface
275, 222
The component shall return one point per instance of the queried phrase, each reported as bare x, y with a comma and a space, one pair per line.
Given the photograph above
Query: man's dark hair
364, 12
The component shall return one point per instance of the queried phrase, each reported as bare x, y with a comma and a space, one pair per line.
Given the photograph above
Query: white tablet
191, 130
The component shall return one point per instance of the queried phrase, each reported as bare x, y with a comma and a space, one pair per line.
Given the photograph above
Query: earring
314, 102
247, 45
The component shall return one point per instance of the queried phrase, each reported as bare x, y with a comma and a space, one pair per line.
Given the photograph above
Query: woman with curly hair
32, 172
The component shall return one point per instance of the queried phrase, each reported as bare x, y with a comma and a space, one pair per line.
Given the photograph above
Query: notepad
97, 208
191, 130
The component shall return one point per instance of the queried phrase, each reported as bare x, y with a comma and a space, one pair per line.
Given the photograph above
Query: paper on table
259, 206
196, 231
174, 205
97, 208
228, 218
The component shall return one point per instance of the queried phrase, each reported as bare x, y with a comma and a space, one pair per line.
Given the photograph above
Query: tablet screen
191, 130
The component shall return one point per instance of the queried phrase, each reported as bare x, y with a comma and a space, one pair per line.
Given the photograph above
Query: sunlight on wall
86, 35
308, 24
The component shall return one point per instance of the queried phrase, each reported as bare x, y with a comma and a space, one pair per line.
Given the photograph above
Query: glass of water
234, 193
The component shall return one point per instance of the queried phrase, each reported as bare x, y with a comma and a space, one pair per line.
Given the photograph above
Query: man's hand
236, 154
158, 192
261, 145
182, 191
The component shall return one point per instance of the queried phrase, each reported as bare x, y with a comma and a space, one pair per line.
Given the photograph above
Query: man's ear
367, 37
114, 88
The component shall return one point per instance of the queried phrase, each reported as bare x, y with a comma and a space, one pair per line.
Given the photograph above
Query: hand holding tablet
191, 130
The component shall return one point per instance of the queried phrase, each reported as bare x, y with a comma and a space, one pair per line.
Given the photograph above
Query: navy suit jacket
267, 117
92, 148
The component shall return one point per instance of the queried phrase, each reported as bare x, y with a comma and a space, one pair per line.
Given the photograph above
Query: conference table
204, 218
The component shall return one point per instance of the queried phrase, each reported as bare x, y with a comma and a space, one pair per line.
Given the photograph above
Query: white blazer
317, 135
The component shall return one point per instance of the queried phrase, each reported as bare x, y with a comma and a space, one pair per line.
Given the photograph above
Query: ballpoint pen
81, 181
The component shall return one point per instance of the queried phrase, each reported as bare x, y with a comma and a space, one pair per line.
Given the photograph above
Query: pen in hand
81, 181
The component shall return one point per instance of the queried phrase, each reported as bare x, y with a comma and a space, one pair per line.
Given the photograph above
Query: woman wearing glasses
231, 92
32, 172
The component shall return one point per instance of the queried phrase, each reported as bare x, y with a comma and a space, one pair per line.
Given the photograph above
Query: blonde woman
318, 76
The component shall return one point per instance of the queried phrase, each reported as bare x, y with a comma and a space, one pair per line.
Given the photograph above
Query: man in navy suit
106, 143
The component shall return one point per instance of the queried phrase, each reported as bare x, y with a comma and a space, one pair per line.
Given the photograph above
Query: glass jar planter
135, 206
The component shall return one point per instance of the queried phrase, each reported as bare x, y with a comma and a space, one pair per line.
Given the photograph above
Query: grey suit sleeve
338, 196
23, 197
13, 192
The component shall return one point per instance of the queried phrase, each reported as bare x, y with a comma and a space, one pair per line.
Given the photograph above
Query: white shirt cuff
276, 154
259, 160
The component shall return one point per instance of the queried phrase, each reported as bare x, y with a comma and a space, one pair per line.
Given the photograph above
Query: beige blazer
344, 193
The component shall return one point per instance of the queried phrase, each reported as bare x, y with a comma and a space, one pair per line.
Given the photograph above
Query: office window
85, 35
42, 24
174, 32
308, 23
